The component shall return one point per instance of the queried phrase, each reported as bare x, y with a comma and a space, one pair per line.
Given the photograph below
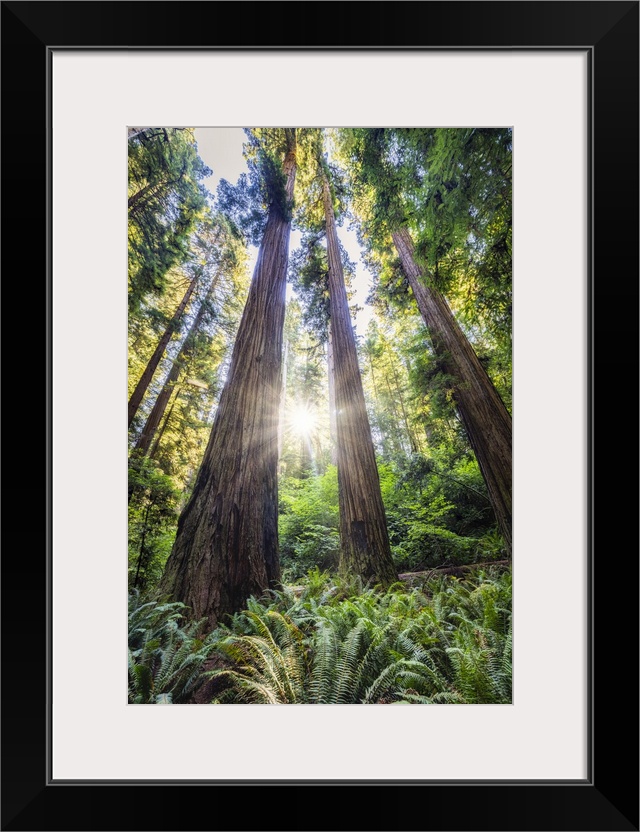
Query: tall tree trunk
145, 379
156, 442
283, 399
306, 448
410, 435
157, 411
364, 540
226, 547
145, 529
160, 405
397, 438
306, 457
377, 409
135, 198
483, 413
331, 373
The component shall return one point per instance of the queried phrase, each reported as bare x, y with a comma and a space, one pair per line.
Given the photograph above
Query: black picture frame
608, 799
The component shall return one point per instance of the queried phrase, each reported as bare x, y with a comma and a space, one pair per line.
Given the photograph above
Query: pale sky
220, 148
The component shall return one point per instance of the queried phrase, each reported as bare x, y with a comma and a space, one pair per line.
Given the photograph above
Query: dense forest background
318, 515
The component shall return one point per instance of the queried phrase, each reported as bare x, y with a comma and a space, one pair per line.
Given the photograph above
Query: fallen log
455, 571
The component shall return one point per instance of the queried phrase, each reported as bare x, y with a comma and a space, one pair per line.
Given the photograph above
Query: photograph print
319, 415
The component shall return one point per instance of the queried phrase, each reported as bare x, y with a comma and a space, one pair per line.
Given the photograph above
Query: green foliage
248, 202
465, 209
153, 507
476, 637
309, 274
313, 167
245, 205
269, 666
452, 188
308, 524
166, 199
166, 655
438, 512
396, 419
450, 642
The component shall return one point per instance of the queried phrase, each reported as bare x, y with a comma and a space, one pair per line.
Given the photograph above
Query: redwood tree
226, 547
487, 421
331, 375
364, 541
391, 201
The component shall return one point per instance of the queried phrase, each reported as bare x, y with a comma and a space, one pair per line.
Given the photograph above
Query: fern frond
324, 664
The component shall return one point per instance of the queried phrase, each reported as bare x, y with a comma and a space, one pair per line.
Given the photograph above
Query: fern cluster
447, 643
166, 656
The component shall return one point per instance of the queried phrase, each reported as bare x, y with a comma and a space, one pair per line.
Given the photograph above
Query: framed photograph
564, 78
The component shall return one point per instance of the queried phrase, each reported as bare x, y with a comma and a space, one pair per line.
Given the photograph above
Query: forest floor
412, 579
208, 690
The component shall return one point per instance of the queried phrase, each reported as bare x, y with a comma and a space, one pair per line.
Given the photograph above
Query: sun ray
301, 419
